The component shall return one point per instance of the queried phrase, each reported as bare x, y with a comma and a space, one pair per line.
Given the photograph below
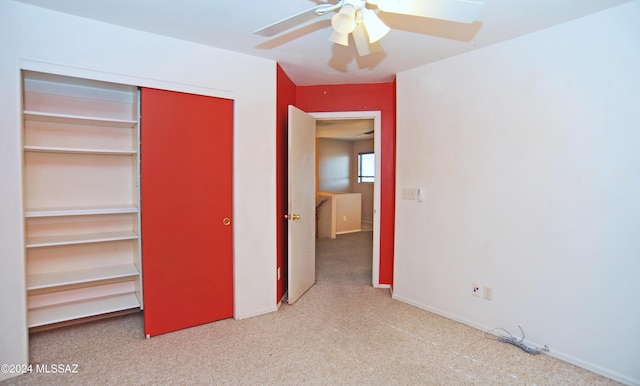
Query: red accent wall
286, 95
366, 97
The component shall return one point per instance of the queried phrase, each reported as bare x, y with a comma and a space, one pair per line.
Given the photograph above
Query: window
366, 167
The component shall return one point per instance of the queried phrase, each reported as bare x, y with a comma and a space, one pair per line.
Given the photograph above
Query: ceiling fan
355, 17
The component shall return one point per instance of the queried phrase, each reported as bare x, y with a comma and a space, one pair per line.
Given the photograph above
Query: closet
81, 198
94, 202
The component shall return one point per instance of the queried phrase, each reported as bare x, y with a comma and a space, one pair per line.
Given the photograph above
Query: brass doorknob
292, 217
226, 221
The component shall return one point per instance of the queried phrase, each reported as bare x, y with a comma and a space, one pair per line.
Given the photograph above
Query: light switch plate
409, 194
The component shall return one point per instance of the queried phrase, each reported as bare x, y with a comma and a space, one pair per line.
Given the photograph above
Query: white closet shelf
60, 313
78, 119
79, 132
50, 241
57, 212
69, 150
60, 279
74, 295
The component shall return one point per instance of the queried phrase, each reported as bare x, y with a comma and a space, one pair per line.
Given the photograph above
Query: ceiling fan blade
299, 18
463, 11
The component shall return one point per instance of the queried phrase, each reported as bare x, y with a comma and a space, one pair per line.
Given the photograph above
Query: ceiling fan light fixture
376, 29
344, 21
338, 38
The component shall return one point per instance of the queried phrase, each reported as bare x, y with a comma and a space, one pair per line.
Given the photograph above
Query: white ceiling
305, 53
345, 129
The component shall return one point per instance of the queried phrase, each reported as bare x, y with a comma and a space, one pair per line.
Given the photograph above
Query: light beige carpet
342, 331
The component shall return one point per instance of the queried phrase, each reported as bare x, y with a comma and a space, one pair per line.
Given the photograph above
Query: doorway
374, 118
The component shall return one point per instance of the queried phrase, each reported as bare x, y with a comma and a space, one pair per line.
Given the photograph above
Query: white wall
529, 154
38, 39
334, 165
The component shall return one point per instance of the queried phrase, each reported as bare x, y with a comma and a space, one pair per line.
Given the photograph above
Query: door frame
376, 115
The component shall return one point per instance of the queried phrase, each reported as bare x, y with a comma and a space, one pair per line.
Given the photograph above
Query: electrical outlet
344, 218
475, 288
488, 293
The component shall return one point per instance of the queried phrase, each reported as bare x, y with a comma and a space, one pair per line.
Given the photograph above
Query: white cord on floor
514, 341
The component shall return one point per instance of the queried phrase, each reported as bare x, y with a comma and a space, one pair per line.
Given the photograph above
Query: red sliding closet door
186, 200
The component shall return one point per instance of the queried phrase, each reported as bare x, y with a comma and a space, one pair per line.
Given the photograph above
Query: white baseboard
383, 286
349, 231
256, 313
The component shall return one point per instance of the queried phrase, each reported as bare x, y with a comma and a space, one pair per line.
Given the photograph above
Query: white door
301, 203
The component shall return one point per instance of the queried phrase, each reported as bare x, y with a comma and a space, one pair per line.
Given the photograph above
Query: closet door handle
226, 221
